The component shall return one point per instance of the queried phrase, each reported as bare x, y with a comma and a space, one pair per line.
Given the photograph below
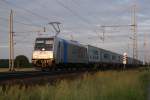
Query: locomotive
54, 52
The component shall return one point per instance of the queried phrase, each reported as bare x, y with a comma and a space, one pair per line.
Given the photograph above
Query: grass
109, 85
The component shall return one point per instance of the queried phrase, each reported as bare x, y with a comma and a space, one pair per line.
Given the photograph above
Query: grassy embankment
109, 85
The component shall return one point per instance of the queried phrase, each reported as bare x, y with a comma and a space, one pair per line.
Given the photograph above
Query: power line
74, 2
79, 6
5, 31
45, 6
27, 10
116, 25
77, 15
26, 31
29, 20
15, 21
73, 12
22, 17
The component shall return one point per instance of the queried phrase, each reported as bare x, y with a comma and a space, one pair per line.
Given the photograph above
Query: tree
21, 61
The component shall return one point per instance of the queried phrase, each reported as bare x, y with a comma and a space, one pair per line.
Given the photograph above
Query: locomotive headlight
43, 49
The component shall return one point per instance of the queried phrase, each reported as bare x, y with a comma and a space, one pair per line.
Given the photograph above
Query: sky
81, 20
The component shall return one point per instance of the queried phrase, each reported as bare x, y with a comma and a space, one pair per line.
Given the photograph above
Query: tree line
19, 62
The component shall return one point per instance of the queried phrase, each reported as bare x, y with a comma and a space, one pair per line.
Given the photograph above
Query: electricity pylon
134, 29
11, 43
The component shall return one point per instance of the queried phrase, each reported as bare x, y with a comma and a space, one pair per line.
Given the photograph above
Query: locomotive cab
43, 55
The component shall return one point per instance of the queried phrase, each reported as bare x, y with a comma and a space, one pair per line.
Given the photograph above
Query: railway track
33, 77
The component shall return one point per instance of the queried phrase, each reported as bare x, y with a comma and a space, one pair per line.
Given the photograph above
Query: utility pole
71, 37
10, 46
11, 43
44, 29
103, 31
134, 29
128, 48
145, 54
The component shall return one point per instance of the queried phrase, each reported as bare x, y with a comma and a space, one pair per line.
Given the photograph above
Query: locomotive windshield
44, 44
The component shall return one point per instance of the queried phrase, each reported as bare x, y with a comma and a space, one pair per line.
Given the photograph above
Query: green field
108, 85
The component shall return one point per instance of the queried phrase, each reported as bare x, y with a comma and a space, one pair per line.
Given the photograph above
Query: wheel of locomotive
52, 67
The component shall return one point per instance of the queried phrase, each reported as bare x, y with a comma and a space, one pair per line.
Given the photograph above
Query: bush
21, 61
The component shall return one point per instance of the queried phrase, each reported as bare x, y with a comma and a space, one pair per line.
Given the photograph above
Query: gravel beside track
17, 69
31, 77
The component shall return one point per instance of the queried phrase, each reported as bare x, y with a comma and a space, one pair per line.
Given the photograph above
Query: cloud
79, 18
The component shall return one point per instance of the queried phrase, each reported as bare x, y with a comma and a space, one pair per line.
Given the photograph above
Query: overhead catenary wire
27, 24
115, 26
27, 10
73, 12
44, 5
83, 19
22, 17
79, 6
26, 31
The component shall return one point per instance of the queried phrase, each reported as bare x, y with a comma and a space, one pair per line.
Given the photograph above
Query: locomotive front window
39, 46
44, 44
49, 42
49, 47
40, 41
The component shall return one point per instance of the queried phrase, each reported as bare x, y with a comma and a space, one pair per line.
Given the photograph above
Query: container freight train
53, 53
